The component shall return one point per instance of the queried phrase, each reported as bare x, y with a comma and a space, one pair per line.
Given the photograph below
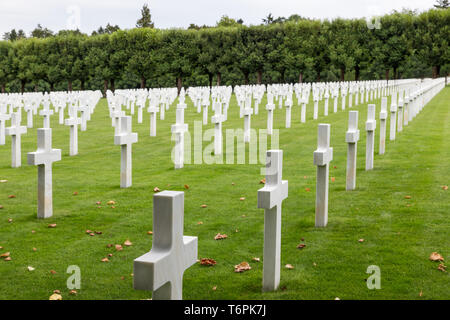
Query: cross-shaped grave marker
161, 270
270, 198
16, 131
125, 138
352, 137
44, 158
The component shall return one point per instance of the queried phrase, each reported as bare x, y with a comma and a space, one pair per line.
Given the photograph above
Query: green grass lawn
399, 234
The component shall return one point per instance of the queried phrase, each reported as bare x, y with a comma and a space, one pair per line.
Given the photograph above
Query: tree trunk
82, 85
69, 86
357, 73
318, 76
105, 87
36, 87
3, 88
259, 77
52, 87
143, 83
395, 73
179, 84
436, 71
246, 77
210, 79
112, 85
387, 74
22, 86
300, 77
219, 78
342, 74
283, 80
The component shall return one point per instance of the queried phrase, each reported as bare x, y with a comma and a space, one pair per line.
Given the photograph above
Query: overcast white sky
88, 15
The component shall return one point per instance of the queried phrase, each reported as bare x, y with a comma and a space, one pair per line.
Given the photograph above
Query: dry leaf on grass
442, 267
307, 189
57, 291
5, 255
289, 266
156, 189
256, 259
73, 292
8, 259
111, 202
203, 205
127, 243
55, 296
11, 196
200, 222
207, 262
53, 225
444, 187
52, 271
220, 236
407, 197
1, 207
241, 267
242, 198
105, 260
119, 247
186, 186
30, 268
301, 246
10, 220
262, 181
434, 256
150, 232
333, 179
214, 288
75, 193
361, 240
3, 181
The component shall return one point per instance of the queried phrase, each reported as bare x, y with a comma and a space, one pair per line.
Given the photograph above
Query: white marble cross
84, 110
73, 121
393, 116
406, 109
44, 158
270, 107
304, 101
3, 118
61, 113
161, 270
270, 198
371, 125
29, 111
383, 117
316, 106
217, 119
400, 114
352, 138
288, 112
46, 113
179, 129
16, 131
153, 110
205, 114
125, 139
325, 107
322, 158
247, 113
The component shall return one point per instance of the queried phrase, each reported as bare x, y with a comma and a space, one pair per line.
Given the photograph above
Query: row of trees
406, 44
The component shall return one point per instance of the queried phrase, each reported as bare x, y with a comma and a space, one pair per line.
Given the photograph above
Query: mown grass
399, 234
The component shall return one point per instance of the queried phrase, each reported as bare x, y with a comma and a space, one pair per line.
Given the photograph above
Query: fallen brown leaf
1, 207
30, 268
442, 267
10, 220
127, 243
262, 181
333, 179
111, 202
11, 196
186, 186
73, 292
220, 236
361, 240
75, 193
150, 232
241, 267
119, 247
307, 189
420, 293
214, 288
3, 181
207, 262
98, 232
52, 271
301, 246
444, 187
156, 189
434, 256
4, 255
53, 225
105, 260
203, 205
289, 266
200, 222
8, 259
256, 259
55, 296
242, 198
98, 203
407, 197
